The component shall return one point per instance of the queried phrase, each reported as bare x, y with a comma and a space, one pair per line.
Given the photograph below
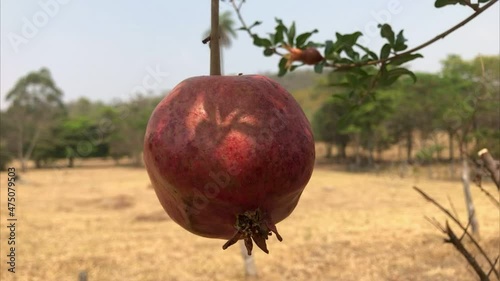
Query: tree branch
457, 243
237, 9
474, 7
478, 182
425, 44
477, 12
444, 210
493, 268
490, 196
214, 40
491, 165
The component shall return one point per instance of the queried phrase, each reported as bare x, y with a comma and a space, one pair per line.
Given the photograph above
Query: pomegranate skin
219, 147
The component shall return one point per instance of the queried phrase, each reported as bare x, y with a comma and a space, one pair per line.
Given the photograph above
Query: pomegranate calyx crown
253, 225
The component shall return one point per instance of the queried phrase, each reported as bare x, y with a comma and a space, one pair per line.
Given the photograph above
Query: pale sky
105, 50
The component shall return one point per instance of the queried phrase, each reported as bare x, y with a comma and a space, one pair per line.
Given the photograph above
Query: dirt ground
106, 221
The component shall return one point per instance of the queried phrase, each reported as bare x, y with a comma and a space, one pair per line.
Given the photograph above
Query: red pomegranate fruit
229, 156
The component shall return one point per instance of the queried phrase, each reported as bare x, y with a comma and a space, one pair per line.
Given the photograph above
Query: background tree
35, 101
326, 128
5, 156
128, 135
80, 138
7, 138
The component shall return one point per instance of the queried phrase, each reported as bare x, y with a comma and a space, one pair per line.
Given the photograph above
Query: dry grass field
106, 220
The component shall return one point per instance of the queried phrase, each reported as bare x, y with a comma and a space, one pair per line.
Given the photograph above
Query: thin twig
237, 9
474, 7
425, 44
480, 170
444, 210
452, 207
490, 196
492, 269
477, 12
238, 13
470, 259
434, 223
469, 221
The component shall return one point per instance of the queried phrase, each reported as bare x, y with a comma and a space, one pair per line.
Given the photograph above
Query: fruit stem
214, 40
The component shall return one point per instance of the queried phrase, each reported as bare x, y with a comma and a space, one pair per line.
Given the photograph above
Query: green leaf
282, 67
278, 36
392, 75
291, 34
385, 52
345, 61
387, 33
442, 3
280, 30
399, 60
340, 84
352, 54
255, 24
272, 39
328, 48
340, 96
280, 24
318, 68
261, 42
359, 71
268, 52
302, 38
369, 52
348, 40
314, 45
400, 42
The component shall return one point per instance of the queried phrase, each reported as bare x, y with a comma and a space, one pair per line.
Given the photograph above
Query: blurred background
79, 80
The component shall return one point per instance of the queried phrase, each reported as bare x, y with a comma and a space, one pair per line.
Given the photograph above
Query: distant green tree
35, 101
130, 126
5, 156
82, 138
474, 114
415, 109
364, 121
8, 137
326, 127
113, 124
469, 104
85, 107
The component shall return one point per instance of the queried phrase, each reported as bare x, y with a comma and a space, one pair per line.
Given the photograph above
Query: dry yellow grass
106, 220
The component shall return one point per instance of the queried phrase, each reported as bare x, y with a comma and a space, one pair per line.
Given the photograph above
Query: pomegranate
229, 156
